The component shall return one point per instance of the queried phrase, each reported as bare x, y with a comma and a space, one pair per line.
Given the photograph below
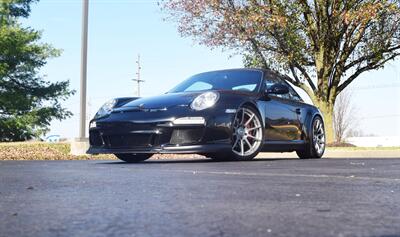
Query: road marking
352, 177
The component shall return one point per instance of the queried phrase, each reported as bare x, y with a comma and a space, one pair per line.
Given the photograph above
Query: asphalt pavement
265, 197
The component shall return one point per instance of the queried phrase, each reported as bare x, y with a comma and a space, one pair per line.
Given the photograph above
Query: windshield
244, 80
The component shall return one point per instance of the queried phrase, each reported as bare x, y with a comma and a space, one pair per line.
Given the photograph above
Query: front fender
120, 102
235, 102
124, 100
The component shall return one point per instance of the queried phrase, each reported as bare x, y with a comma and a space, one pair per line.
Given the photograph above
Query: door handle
298, 111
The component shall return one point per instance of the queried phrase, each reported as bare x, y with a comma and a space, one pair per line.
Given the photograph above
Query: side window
269, 81
293, 94
284, 96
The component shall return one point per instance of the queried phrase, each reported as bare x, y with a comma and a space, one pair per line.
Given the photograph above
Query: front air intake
183, 136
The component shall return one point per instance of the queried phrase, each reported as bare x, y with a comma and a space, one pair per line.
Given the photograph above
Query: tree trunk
327, 111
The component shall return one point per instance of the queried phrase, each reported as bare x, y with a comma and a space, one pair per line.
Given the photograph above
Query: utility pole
88, 112
137, 79
85, 14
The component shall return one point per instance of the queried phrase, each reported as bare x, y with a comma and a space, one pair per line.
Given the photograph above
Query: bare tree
343, 116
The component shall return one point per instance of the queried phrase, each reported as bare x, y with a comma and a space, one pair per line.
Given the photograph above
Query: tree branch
258, 51
306, 76
294, 73
369, 57
368, 67
310, 22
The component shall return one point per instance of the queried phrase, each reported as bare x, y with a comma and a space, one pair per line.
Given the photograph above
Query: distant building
389, 141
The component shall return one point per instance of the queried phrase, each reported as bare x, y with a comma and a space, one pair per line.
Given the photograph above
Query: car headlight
205, 100
106, 108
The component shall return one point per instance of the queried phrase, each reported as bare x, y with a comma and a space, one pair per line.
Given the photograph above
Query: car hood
166, 101
162, 101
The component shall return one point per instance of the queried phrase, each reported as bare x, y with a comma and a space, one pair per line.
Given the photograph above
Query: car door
301, 112
281, 115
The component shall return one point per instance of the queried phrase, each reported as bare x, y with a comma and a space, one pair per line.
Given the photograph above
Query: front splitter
208, 148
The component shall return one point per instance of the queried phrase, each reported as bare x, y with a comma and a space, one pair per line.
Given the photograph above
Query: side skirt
283, 146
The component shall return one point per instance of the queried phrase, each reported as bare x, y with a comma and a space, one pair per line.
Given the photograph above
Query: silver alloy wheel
247, 132
318, 136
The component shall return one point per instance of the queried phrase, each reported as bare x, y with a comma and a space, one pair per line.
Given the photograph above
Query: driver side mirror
278, 89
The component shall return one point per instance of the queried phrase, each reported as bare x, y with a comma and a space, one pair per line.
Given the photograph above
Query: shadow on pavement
189, 161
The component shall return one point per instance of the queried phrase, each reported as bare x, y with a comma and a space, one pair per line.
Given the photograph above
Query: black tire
317, 135
251, 137
133, 158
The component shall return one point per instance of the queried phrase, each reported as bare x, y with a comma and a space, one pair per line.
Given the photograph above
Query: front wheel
133, 158
315, 147
247, 136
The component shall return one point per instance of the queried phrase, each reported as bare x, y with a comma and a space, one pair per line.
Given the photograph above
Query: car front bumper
140, 132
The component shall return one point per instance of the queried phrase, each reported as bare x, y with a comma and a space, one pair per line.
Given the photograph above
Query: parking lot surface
264, 197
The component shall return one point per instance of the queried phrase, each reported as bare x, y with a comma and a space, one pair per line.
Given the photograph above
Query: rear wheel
315, 148
133, 158
247, 136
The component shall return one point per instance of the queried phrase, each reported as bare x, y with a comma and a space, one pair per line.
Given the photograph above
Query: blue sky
121, 29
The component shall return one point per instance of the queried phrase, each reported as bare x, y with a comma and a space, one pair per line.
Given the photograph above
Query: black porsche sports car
225, 115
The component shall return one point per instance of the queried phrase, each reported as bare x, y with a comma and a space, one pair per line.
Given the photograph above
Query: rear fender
307, 126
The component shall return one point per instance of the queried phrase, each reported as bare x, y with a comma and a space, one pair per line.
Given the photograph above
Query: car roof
236, 69
264, 71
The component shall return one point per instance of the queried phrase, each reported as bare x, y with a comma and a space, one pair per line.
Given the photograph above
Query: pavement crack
352, 177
